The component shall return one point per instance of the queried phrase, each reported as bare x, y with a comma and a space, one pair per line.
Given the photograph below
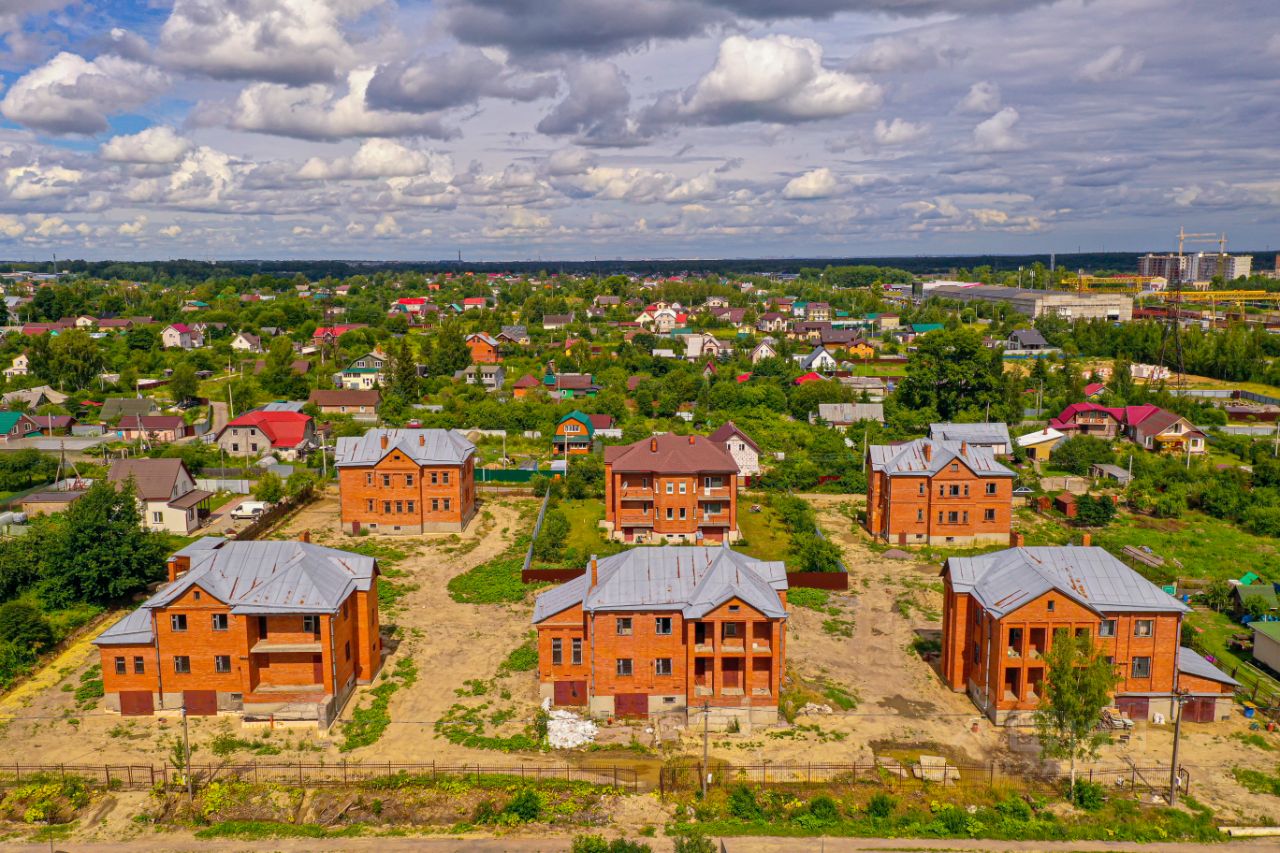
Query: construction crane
1171, 333
1108, 283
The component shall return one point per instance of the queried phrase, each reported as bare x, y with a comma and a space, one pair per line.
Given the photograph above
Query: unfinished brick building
653, 630
280, 629
927, 492
1001, 612
406, 481
678, 488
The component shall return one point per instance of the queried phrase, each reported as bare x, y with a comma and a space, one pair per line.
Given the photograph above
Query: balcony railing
635, 492
713, 493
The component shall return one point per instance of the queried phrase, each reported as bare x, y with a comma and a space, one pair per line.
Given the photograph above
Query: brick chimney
964, 449
691, 439
178, 566
928, 452
383, 441
422, 439
653, 445
595, 571
1086, 539
305, 536
1015, 540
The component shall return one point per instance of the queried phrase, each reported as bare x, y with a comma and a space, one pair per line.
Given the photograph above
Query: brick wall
660, 501
905, 509
366, 491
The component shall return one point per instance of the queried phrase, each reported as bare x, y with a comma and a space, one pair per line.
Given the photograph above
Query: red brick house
930, 492
484, 349
671, 629
1002, 611
406, 481
285, 629
678, 488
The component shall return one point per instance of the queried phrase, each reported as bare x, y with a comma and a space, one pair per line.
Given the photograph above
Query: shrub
589, 844
881, 805
1015, 808
824, 809
743, 805
694, 842
526, 805
1087, 795
24, 625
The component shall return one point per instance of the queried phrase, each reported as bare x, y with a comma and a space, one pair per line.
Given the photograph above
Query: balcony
758, 646
636, 492
760, 691
703, 647
733, 691
714, 493
284, 647
635, 518
732, 645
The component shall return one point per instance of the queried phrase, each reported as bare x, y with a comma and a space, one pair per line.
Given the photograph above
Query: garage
571, 693
137, 703
200, 703
1134, 707
1199, 709
631, 705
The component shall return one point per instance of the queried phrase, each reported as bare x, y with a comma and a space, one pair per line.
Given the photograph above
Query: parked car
249, 510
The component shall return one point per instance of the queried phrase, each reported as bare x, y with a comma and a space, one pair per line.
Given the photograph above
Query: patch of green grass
368, 723
380, 550
497, 581
585, 537
814, 599
1254, 739
90, 689
250, 830
523, 658
1257, 782
763, 533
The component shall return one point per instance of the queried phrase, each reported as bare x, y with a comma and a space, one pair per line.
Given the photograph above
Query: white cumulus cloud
818, 183
155, 145
997, 133
381, 158
70, 94
898, 131
982, 97
1115, 63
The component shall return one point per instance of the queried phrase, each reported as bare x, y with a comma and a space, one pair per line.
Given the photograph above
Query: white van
249, 510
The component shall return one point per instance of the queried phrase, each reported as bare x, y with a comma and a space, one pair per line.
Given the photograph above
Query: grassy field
1205, 547
585, 536
765, 536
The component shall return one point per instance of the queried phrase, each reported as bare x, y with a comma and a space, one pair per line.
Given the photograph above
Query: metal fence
145, 776
1129, 780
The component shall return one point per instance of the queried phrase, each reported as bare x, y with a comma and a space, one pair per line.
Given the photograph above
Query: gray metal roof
848, 413
256, 578
912, 458
691, 579
1005, 580
993, 433
132, 630
424, 446
1192, 663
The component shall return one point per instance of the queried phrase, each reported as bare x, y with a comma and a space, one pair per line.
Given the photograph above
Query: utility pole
186, 748
1179, 696
706, 734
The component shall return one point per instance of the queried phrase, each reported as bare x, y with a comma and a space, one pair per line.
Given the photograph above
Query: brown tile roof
323, 397
727, 431
154, 477
671, 454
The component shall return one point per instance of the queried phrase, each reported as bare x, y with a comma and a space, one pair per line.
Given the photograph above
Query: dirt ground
902, 704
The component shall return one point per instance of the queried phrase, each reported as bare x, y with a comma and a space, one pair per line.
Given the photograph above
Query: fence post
106, 771
615, 775
991, 777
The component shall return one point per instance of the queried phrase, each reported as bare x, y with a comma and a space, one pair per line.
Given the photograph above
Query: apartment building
1002, 611
285, 629
678, 488
406, 481
928, 492
670, 629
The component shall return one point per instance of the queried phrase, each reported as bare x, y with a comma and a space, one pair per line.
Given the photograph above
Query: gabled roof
180, 328
153, 478
526, 381
423, 446
928, 457
1039, 437
9, 420
982, 433
581, 418
282, 429
260, 577
1005, 580
482, 337
152, 422
691, 580
1160, 421
728, 430
343, 397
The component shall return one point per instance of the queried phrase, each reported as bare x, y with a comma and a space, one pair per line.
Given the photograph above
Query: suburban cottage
287, 434
671, 629
279, 629
167, 493
927, 492
484, 349
743, 450
576, 431
681, 488
406, 481
358, 405
1002, 611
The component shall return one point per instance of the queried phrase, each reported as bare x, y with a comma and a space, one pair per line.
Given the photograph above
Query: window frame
660, 669
557, 651
624, 667
220, 622
623, 626
1145, 660
1150, 625
658, 626
181, 664
218, 664
177, 623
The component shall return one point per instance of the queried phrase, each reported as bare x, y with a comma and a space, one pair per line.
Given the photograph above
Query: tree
24, 625
550, 544
1095, 510
98, 552
449, 352
269, 488
183, 384
277, 375
953, 373
1217, 595
1078, 684
1081, 452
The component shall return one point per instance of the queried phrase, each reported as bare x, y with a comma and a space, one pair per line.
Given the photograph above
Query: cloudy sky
514, 129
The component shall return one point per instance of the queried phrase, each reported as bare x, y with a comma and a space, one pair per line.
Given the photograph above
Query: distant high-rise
1170, 267
1203, 266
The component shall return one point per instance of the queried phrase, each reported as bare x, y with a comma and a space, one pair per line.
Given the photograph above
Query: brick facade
657, 496
954, 505
398, 495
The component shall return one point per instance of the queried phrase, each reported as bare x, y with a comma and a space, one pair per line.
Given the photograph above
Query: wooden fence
146, 776
1130, 780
